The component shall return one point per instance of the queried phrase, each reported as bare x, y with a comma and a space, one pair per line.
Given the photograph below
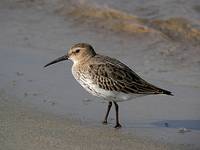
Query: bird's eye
77, 51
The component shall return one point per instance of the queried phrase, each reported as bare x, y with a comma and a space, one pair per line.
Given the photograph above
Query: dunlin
107, 77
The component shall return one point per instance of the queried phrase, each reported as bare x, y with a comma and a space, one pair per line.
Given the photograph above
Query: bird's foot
105, 122
117, 126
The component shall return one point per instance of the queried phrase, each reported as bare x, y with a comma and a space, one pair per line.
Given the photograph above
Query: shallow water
30, 40
159, 9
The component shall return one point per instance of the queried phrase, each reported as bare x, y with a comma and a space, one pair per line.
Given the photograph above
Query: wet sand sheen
23, 128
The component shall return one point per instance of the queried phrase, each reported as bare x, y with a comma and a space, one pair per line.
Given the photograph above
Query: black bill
65, 57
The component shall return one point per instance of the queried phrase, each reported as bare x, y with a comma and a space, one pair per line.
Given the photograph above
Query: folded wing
121, 78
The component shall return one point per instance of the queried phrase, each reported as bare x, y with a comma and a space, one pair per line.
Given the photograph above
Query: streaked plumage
107, 77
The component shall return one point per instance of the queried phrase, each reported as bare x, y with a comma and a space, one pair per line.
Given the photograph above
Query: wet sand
47, 109
25, 128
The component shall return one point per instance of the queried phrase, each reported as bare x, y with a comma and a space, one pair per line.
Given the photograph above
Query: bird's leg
107, 113
117, 116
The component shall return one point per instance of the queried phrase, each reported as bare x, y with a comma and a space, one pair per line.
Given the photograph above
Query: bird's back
112, 75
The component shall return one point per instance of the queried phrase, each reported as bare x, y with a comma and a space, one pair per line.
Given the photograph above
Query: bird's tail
166, 92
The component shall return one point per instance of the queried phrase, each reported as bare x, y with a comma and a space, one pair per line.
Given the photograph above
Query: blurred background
158, 39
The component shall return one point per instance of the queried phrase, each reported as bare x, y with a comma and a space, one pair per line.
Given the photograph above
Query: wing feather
120, 78
111, 74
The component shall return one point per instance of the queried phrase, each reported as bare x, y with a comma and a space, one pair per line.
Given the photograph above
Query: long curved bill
62, 58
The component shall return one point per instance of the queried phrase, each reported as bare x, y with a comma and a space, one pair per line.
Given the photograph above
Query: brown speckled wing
118, 77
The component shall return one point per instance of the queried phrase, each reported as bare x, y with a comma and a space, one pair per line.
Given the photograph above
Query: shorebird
107, 77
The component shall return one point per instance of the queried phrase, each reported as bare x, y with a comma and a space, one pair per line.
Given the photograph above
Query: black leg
117, 116
107, 113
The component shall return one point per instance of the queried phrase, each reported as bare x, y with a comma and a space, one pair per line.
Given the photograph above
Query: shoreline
25, 128
47, 109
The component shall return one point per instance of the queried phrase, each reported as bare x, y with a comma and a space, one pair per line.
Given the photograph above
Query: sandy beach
47, 109
25, 128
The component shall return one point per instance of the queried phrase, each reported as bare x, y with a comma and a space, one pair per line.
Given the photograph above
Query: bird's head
78, 53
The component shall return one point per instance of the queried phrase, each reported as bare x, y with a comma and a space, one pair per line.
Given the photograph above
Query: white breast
84, 81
